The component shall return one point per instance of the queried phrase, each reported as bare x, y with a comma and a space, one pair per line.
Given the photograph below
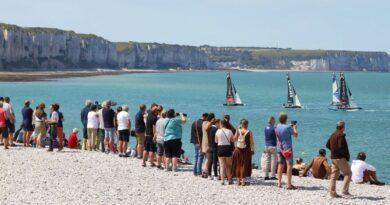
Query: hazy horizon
356, 25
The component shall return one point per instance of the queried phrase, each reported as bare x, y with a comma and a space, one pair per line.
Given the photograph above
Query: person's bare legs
280, 174
289, 176
25, 139
11, 138
228, 165
145, 157
168, 161
151, 159
28, 136
120, 146
174, 163
222, 168
124, 147
111, 144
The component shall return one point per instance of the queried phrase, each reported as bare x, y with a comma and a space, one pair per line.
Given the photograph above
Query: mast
290, 91
344, 94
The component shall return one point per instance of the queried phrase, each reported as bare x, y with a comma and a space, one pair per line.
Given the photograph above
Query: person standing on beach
3, 125
172, 138
339, 154
84, 120
60, 129
150, 137
224, 139
124, 126
212, 156
242, 155
160, 136
140, 130
53, 123
196, 139
284, 133
109, 126
40, 124
205, 139
28, 128
101, 127
270, 149
92, 127
8, 108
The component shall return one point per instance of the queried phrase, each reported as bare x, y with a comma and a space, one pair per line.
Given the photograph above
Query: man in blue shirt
270, 149
283, 134
84, 120
140, 130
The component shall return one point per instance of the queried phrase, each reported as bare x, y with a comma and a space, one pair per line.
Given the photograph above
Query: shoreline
34, 176
31, 76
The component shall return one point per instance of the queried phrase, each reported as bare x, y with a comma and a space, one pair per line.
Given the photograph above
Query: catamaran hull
232, 104
293, 107
345, 108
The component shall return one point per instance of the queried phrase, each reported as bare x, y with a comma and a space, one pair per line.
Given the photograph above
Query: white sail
296, 101
335, 91
237, 99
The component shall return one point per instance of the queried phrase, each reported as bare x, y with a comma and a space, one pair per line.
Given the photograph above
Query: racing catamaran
292, 96
232, 97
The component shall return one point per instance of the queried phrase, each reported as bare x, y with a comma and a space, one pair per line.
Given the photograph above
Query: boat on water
292, 96
232, 97
342, 96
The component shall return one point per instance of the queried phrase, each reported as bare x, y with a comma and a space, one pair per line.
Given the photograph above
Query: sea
263, 93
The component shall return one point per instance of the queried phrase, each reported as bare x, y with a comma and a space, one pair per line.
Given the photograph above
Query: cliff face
48, 48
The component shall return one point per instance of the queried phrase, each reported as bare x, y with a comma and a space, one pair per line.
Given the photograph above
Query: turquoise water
263, 93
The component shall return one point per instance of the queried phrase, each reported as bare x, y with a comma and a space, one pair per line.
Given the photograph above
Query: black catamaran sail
342, 97
292, 97
232, 97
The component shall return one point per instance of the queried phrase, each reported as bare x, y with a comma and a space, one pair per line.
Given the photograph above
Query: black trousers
212, 162
53, 135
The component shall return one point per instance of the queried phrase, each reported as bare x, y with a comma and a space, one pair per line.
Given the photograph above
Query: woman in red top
3, 126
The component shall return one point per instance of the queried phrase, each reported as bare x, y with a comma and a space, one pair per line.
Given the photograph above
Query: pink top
3, 118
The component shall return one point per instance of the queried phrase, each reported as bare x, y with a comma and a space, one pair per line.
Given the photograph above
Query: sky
362, 25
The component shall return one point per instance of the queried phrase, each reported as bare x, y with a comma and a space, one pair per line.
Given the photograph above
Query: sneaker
168, 169
175, 169
273, 178
50, 150
215, 178
266, 178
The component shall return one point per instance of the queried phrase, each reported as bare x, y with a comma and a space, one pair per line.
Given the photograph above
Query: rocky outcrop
54, 49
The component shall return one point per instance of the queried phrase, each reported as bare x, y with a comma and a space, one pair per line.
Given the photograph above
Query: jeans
272, 162
102, 132
53, 136
198, 161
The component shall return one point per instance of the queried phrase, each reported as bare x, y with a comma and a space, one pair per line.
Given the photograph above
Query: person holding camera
283, 133
172, 138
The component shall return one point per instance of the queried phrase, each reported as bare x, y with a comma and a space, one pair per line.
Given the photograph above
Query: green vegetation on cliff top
35, 30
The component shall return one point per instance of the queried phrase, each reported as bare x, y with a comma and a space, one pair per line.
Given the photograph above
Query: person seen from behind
363, 172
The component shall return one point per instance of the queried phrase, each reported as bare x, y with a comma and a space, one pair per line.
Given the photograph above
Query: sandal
292, 187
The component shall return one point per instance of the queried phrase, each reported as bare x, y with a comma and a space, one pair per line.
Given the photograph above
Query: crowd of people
222, 152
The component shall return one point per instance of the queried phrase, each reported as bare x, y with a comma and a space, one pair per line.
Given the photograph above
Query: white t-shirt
358, 167
101, 122
224, 136
8, 110
160, 127
54, 117
123, 118
93, 120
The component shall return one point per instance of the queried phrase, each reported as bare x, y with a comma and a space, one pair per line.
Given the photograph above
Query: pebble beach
34, 176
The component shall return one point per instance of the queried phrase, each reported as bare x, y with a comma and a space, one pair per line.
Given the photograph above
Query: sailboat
342, 96
292, 96
232, 97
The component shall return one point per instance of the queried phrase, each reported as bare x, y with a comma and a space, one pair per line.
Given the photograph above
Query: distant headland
51, 49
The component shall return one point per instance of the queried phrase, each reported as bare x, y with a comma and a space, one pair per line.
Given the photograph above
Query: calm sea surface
263, 93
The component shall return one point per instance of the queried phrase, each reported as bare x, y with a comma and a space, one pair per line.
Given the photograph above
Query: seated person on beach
363, 172
318, 166
299, 167
72, 139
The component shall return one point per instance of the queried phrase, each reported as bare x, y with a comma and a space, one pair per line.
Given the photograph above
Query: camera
184, 114
294, 122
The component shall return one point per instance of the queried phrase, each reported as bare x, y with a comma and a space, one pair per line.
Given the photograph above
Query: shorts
283, 160
160, 150
224, 151
10, 126
124, 135
109, 133
140, 138
4, 132
28, 127
149, 145
172, 148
